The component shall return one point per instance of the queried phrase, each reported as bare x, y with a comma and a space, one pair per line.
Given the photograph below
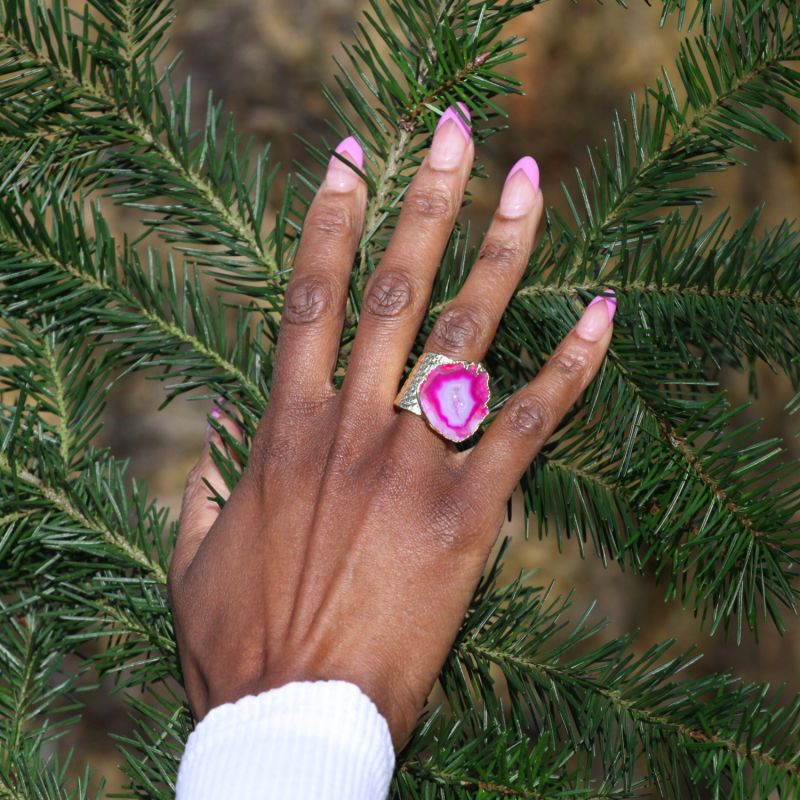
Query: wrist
400, 717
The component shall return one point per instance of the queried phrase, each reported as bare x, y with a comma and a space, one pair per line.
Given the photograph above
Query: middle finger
397, 294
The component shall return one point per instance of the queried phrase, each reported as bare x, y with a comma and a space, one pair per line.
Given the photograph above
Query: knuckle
433, 203
343, 457
529, 415
504, 255
388, 294
194, 486
272, 450
456, 328
334, 220
455, 519
281, 444
194, 477
572, 363
447, 526
309, 298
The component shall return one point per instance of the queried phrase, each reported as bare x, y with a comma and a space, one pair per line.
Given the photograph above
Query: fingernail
450, 139
216, 413
520, 189
597, 317
340, 177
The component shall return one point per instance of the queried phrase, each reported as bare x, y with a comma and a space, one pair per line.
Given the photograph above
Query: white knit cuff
323, 740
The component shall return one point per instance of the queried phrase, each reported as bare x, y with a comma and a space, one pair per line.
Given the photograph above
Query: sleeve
320, 740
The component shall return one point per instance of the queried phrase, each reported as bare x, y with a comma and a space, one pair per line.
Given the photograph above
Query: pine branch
445, 757
83, 500
83, 567
44, 56
37, 704
32, 491
735, 298
153, 752
707, 508
65, 376
727, 82
615, 707
49, 267
132, 623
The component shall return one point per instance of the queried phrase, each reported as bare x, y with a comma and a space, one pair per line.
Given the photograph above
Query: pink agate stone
453, 398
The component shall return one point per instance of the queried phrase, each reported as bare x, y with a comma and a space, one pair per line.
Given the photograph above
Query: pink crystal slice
453, 398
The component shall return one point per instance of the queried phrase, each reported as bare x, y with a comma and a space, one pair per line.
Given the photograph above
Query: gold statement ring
451, 396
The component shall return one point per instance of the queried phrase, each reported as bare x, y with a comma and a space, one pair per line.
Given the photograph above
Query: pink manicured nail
452, 113
340, 177
597, 317
450, 139
520, 189
216, 413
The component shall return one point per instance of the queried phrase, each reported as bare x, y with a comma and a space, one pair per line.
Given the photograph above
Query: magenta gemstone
453, 398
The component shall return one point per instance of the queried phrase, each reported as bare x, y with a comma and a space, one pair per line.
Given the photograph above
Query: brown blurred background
266, 59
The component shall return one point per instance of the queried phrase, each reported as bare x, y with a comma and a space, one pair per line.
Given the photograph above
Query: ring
451, 396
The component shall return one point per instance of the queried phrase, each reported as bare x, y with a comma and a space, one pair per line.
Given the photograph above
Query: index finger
314, 305
530, 416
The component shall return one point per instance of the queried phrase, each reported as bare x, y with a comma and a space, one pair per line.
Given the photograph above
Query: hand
355, 538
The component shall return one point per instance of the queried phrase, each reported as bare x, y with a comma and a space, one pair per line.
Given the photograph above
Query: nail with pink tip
340, 177
462, 119
520, 189
597, 317
450, 139
216, 413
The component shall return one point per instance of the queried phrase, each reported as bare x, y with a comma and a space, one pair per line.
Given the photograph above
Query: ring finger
467, 325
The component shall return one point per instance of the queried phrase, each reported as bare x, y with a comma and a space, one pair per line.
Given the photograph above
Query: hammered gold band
408, 396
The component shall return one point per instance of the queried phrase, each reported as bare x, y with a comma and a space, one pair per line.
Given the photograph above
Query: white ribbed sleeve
324, 740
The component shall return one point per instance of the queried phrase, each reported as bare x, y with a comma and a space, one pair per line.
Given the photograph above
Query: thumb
199, 506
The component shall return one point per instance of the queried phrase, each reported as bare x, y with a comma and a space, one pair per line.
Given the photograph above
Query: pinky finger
531, 415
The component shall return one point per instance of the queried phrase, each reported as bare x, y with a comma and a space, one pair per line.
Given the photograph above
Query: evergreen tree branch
152, 754
62, 415
37, 703
709, 513
60, 501
160, 159
727, 81
46, 272
444, 757
694, 733
640, 716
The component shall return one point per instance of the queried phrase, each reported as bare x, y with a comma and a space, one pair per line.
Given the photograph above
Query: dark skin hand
354, 540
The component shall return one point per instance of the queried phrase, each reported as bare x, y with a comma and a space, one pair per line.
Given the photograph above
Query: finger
467, 325
531, 414
199, 508
316, 295
397, 294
